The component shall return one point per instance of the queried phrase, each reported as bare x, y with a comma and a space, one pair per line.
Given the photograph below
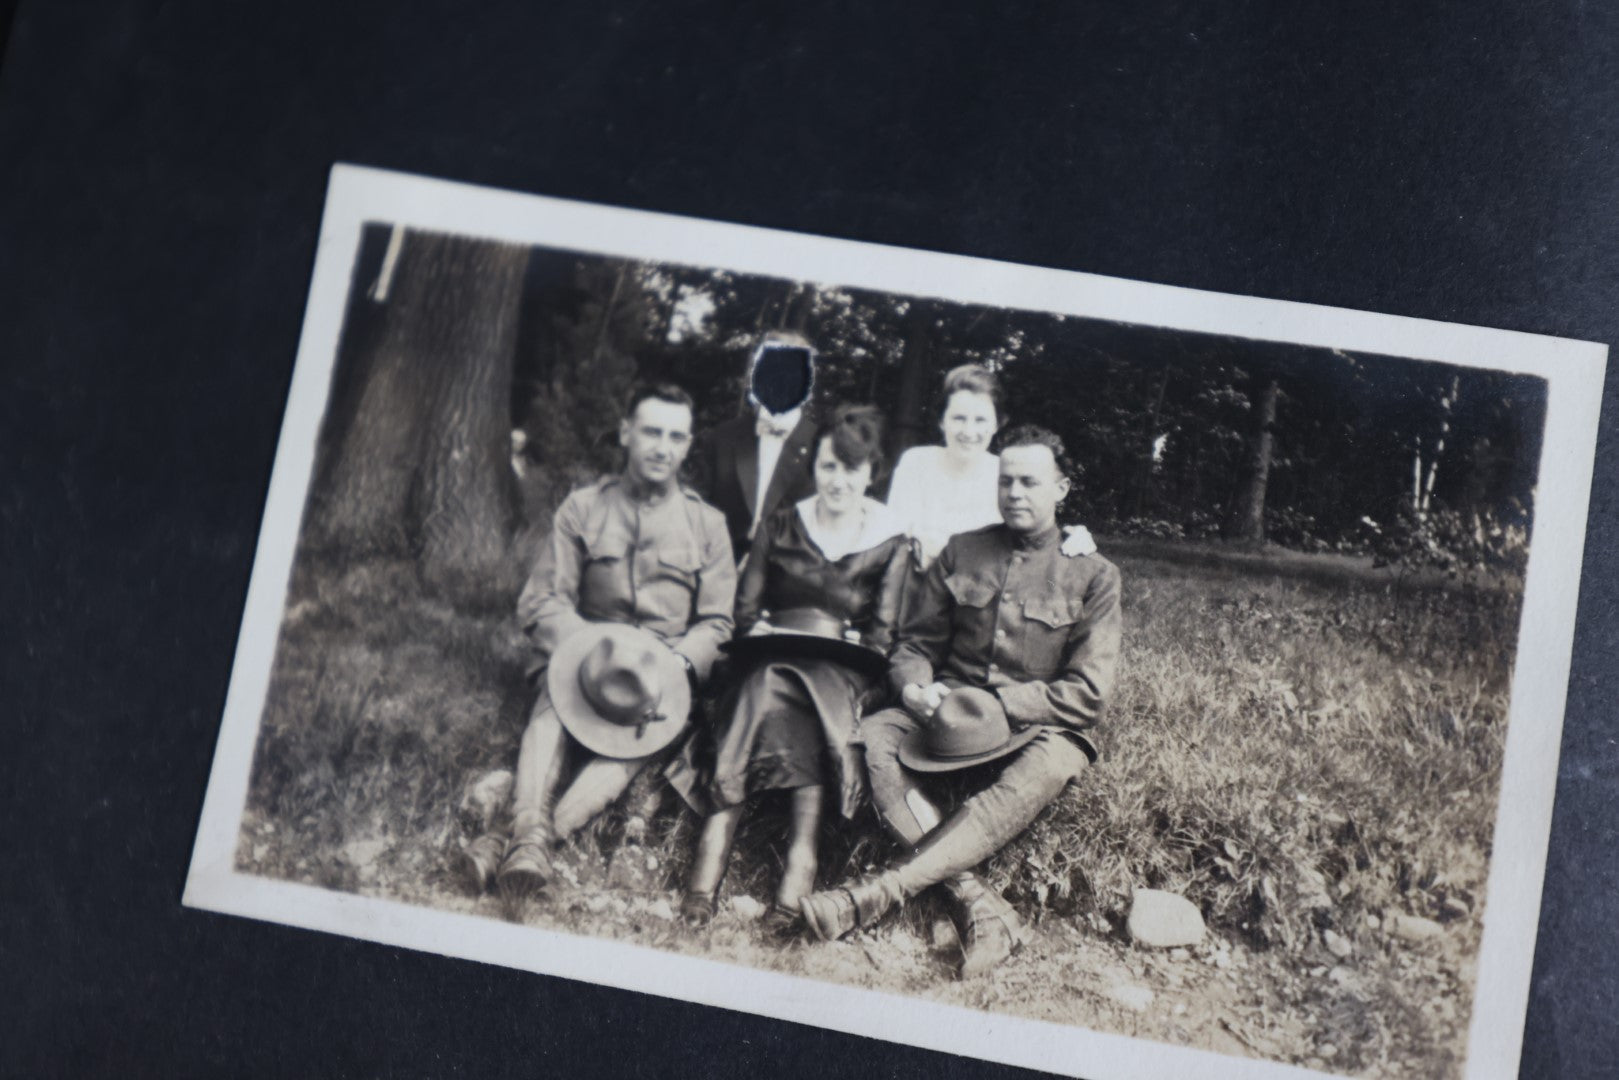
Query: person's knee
602, 782
1052, 759
542, 720
882, 732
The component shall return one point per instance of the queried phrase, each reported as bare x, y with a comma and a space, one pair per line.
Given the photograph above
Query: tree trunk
1246, 522
1144, 468
910, 419
1447, 405
606, 320
423, 471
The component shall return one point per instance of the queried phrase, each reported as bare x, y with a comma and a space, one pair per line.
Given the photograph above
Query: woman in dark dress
839, 558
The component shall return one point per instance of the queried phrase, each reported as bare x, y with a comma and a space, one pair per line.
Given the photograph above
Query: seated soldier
628, 602
1008, 631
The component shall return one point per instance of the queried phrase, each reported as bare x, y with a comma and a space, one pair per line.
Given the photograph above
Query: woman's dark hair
974, 379
856, 432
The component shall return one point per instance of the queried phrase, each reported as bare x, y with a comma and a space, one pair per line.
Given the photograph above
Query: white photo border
1574, 372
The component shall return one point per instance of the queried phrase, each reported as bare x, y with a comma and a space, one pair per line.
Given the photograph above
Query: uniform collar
768, 425
1033, 541
649, 494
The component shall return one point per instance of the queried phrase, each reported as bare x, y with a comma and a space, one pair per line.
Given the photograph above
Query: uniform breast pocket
970, 591
1048, 623
679, 566
975, 607
609, 545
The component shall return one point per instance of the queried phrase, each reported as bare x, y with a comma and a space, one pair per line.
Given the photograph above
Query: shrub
1294, 529
1448, 541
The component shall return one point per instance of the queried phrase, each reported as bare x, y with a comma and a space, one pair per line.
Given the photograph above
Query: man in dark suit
751, 466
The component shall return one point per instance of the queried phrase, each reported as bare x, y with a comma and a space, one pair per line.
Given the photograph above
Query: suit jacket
726, 472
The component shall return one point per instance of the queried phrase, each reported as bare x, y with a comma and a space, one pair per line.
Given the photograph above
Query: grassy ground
1306, 748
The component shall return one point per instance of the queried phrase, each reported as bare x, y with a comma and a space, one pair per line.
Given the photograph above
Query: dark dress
786, 723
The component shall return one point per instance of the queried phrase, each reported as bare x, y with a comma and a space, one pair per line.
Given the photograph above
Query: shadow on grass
1218, 560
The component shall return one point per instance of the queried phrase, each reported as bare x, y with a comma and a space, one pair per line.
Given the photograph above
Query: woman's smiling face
969, 423
839, 486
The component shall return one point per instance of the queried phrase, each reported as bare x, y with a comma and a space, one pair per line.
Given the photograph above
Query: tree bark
422, 471
910, 419
1246, 523
1144, 468
1447, 405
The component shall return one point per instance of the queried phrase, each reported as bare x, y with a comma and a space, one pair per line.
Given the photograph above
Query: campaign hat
619, 690
968, 728
808, 634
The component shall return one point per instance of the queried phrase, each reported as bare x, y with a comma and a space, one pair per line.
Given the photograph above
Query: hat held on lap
619, 690
969, 728
807, 634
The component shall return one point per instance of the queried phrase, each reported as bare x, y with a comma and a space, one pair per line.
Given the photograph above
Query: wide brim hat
806, 634
585, 719
969, 728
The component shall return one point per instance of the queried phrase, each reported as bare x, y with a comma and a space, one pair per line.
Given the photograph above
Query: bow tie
772, 427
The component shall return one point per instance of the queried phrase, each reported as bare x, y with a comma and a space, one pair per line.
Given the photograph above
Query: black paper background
162, 167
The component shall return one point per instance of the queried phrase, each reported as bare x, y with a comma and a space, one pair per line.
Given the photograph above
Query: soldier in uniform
1005, 662
635, 549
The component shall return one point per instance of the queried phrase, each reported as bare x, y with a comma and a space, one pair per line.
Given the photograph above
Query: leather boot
834, 912
697, 909
988, 926
798, 876
527, 865
477, 862
708, 867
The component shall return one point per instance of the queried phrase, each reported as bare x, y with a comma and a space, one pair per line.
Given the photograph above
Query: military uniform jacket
663, 563
1011, 614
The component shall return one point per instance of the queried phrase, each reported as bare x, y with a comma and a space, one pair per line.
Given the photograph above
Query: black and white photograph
1099, 677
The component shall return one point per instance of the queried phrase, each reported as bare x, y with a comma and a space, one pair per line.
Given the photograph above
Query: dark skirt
786, 725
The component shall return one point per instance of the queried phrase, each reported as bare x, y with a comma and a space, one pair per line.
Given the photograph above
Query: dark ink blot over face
781, 377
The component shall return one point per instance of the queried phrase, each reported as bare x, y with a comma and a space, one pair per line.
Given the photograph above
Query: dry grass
1297, 745
1291, 755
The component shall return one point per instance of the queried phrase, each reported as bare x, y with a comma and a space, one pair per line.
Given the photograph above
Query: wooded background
452, 344
166, 170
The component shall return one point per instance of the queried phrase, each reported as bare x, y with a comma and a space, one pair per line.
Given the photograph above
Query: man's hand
761, 627
923, 701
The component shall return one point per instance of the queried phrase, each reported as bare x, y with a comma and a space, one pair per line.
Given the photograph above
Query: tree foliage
1166, 426
1174, 434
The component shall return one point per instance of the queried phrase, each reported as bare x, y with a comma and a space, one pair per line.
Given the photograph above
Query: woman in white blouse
939, 491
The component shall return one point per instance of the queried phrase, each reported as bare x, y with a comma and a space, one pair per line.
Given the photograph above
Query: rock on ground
747, 908
1163, 919
1413, 928
363, 851
1132, 996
